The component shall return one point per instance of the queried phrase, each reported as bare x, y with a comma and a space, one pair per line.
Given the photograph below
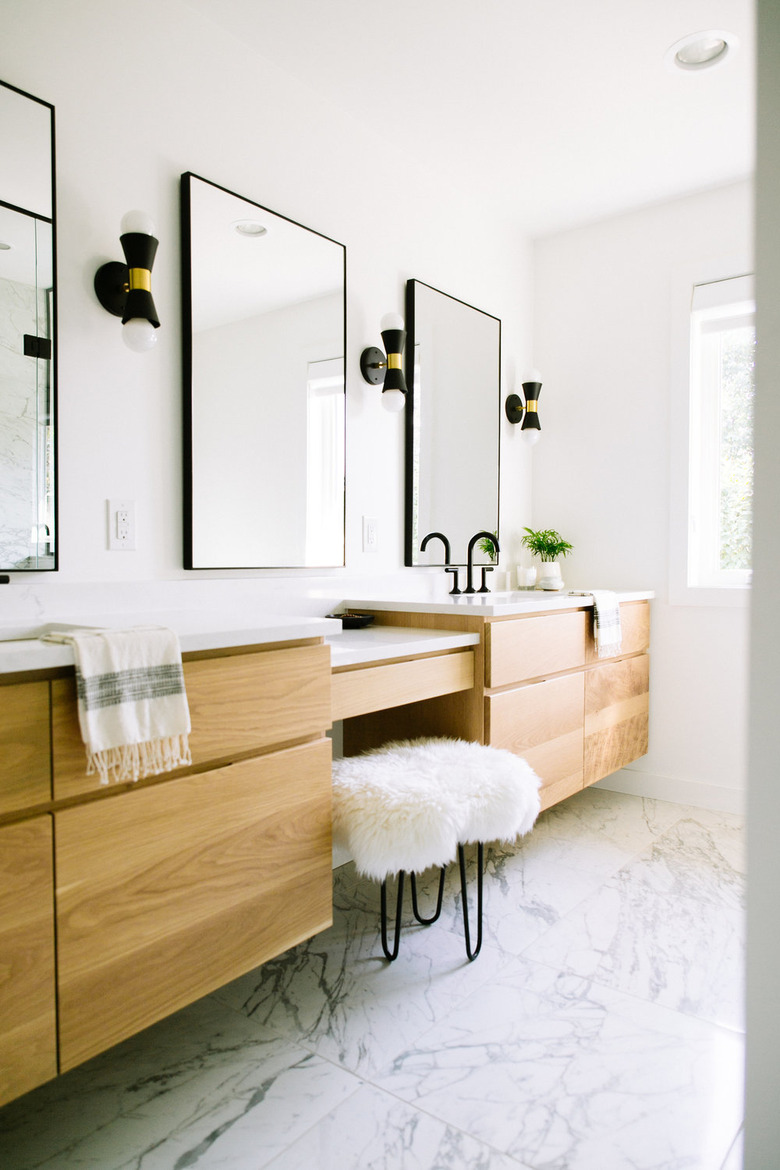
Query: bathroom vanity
120, 904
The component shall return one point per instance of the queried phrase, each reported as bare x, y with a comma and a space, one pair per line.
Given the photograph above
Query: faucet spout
453, 569
470, 559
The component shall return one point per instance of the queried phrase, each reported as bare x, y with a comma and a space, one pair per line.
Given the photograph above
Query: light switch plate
121, 525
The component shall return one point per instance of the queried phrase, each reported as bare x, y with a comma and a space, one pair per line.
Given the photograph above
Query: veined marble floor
599, 1029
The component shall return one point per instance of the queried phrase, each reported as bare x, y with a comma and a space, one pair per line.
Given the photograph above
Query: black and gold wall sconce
377, 366
126, 289
528, 415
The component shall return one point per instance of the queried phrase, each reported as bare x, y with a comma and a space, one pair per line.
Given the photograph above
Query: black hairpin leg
418, 916
391, 955
464, 895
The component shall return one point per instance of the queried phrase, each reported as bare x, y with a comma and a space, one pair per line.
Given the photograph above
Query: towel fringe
136, 761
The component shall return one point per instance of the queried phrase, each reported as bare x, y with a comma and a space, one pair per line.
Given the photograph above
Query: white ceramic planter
549, 576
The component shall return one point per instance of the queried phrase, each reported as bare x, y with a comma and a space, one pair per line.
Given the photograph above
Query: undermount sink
32, 633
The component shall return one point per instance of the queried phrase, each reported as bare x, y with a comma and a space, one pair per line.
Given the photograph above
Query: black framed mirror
453, 375
28, 340
264, 303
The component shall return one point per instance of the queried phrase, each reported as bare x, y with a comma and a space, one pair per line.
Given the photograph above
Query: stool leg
420, 919
391, 955
464, 895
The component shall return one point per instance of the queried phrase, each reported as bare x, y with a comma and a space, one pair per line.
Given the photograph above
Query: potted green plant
549, 546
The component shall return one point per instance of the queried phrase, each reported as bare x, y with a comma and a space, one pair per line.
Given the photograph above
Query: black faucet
448, 568
470, 561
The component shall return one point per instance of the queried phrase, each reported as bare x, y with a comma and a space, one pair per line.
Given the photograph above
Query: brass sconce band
140, 278
531, 406
394, 361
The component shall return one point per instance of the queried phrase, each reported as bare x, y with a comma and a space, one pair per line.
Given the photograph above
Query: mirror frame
187, 369
410, 551
53, 375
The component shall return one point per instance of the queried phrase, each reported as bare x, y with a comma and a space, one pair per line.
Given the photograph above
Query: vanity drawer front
617, 702
543, 723
28, 1039
238, 703
172, 890
375, 688
25, 764
532, 647
634, 630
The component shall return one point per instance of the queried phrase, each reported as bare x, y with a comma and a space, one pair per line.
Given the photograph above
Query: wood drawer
617, 702
525, 648
170, 891
238, 704
543, 723
356, 692
25, 767
28, 1038
634, 630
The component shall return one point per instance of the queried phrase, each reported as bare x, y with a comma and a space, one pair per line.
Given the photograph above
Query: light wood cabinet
28, 1040
168, 888
198, 881
544, 694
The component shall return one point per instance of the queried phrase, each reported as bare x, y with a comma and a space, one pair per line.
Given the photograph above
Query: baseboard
676, 790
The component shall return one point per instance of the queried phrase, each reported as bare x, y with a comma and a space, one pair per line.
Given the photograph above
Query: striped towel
606, 623
132, 705
606, 620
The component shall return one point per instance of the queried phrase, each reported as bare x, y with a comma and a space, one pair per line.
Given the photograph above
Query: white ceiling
553, 111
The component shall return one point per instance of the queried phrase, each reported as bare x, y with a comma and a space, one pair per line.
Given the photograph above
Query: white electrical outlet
370, 534
121, 525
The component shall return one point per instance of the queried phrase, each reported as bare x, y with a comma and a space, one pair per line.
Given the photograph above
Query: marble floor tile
565, 1075
204, 1088
374, 1131
668, 927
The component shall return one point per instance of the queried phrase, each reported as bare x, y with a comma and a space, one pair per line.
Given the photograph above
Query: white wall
609, 409
140, 97
762, 1122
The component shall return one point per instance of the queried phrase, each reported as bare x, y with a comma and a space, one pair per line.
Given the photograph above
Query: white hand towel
132, 704
606, 621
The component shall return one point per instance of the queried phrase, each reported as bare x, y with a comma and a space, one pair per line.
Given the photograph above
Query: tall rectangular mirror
264, 393
28, 503
453, 374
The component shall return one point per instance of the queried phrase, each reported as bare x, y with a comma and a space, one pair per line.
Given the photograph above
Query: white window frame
687, 514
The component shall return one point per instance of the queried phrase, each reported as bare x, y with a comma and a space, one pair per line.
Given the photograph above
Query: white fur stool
414, 804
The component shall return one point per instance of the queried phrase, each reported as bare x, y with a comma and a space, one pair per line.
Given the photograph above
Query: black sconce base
373, 364
111, 286
514, 408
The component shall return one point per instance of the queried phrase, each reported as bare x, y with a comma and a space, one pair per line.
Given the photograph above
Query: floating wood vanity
121, 904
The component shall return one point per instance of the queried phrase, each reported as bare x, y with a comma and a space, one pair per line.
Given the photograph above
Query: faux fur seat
413, 804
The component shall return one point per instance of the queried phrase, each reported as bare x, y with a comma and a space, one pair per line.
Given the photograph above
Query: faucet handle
485, 569
455, 585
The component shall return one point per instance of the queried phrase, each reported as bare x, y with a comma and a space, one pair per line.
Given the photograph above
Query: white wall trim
675, 790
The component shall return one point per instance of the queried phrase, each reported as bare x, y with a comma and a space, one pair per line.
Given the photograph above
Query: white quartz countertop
493, 604
21, 649
375, 643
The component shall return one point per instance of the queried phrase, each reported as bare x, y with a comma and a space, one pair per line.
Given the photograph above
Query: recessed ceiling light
250, 227
701, 50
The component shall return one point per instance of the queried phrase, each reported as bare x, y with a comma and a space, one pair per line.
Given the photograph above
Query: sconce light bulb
393, 400
137, 221
531, 437
138, 334
533, 376
391, 321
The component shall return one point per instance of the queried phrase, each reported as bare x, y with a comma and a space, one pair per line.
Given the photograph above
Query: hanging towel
606, 621
132, 705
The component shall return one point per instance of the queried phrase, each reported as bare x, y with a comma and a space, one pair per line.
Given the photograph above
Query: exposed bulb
533, 376
137, 221
531, 436
393, 400
139, 334
391, 321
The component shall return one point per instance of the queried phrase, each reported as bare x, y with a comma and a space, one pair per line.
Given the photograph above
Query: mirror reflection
264, 304
453, 361
27, 314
